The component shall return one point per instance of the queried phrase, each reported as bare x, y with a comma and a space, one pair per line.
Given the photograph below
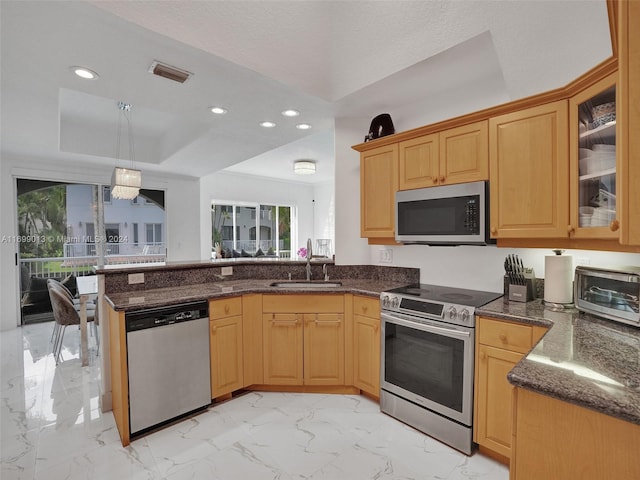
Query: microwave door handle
427, 328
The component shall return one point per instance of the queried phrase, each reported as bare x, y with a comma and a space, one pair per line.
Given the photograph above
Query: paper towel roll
558, 278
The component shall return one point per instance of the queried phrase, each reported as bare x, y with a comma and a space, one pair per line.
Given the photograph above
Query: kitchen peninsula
257, 330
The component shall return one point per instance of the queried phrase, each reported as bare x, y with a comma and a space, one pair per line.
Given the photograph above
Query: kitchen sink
305, 284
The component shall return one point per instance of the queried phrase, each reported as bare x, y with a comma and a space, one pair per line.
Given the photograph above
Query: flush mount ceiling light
85, 73
290, 113
304, 167
267, 124
303, 126
125, 182
218, 110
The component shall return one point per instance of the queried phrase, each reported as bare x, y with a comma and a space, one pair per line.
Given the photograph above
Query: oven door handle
426, 327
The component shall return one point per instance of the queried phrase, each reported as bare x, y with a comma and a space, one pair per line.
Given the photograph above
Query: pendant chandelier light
125, 182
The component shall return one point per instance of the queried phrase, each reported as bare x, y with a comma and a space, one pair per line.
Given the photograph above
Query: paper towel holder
556, 305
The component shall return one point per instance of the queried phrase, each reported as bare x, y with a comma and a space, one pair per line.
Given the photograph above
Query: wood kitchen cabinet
303, 339
562, 441
456, 155
226, 353
593, 173
628, 105
366, 344
378, 186
499, 346
529, 172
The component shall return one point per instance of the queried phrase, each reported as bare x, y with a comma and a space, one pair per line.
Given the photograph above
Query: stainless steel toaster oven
611, 293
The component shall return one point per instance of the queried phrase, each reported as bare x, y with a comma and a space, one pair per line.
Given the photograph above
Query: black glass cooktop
437, 293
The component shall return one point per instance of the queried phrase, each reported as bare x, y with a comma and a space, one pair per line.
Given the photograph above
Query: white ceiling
418, 60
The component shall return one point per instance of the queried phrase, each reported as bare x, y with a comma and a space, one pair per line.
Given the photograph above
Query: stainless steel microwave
612, 293
446, 215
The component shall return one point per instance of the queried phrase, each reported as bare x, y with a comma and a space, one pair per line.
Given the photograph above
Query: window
252, 228
136, 240
154, 233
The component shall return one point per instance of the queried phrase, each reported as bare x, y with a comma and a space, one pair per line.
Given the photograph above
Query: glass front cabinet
592, 152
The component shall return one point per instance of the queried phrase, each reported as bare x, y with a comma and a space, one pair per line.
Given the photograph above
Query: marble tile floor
52, 429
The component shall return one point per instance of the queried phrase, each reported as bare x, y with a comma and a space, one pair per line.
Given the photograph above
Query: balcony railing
80, 258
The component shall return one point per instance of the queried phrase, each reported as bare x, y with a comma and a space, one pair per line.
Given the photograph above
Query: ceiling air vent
167, 71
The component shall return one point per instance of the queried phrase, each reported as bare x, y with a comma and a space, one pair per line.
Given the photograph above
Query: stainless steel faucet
309, 255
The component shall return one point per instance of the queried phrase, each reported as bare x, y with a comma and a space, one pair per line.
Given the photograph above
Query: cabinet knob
213, 328
570, 230
494, 231
375, 328
441, 178
614, 226
483, 355
503, 338
226, 309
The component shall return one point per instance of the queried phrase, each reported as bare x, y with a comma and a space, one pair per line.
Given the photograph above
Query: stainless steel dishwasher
168, 362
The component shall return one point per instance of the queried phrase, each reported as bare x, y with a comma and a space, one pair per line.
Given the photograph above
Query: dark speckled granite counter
584, 360
158, 297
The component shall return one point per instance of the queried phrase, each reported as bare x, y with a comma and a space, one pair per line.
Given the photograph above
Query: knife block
521, 293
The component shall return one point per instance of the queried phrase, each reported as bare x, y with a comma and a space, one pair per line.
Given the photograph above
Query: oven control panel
451, 313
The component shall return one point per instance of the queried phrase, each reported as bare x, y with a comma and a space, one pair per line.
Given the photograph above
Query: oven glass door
430, 364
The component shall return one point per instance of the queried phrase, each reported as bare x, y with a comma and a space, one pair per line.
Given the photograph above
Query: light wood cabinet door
323, 349
378, 186
529, 173
464, 154
419, 160
590, 177
561, 441
494, 410
226, 355
457, 155
366, 354
282, 348
628, 106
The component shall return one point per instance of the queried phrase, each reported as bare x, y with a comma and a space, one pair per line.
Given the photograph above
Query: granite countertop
582, 359
158, 297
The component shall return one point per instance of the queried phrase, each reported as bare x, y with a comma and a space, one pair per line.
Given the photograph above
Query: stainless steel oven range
427, 341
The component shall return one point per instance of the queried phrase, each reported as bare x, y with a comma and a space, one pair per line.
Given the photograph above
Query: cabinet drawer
225, 307
369, 307
306, 303
510, 336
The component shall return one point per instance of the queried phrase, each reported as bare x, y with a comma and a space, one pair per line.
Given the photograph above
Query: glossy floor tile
52, 428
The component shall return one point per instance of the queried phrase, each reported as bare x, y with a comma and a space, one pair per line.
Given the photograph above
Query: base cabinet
499, 346
226, 357
366, 345
562, 441
303, 339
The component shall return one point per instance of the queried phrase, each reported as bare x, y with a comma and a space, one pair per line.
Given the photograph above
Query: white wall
232, 187
182, 216
324, 213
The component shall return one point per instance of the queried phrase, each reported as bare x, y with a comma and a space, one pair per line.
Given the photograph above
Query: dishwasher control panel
158, 317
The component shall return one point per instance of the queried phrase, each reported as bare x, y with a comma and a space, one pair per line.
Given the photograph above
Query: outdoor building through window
252, 230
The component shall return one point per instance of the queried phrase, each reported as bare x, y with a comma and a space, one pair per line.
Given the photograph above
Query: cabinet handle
435, 180
283, 323
570, 230
615, 225
375, 328
483, 356
494, 231
214, 328
441, 179
226, 309
503, 338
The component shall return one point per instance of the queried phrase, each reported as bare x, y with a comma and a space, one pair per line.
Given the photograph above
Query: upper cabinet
592, 140
378, 186
628, 151
456, 155
529, 165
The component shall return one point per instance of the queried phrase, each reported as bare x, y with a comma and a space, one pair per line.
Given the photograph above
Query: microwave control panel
472, 216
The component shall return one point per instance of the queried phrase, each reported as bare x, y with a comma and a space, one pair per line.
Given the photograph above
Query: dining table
87, 290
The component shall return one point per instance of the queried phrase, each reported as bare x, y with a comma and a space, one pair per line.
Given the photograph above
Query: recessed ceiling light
303, 126
85, 73
267, 124
290, 113
218, 110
